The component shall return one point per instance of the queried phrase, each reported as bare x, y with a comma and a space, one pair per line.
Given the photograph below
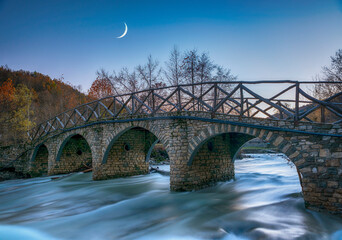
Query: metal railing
290, 103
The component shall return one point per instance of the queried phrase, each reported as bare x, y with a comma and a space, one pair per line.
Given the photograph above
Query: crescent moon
125, 32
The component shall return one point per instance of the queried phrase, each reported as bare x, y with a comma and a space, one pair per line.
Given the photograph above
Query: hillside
27, 98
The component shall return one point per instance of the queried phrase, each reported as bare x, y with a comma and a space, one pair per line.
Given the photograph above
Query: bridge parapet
290, 102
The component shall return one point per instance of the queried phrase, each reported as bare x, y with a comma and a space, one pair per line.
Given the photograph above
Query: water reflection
264, 202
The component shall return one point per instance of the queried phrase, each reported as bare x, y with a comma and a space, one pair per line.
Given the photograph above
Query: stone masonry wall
76, 155
127, 155
212, 163
39, 165
14, 162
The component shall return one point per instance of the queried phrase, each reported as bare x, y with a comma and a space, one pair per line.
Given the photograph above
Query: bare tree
223, 75
150, 72
204, 71
128, 81
205, 68
331, 74
189, 67
190, 64
173, 73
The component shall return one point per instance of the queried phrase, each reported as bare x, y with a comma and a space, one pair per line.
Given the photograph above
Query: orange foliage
7, 91
100, 88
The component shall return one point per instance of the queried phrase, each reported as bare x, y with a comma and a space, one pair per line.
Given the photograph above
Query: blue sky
283, 39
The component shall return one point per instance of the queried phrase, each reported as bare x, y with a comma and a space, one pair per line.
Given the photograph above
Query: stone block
324, 152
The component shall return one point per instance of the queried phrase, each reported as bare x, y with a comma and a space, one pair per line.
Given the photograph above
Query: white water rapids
264, 202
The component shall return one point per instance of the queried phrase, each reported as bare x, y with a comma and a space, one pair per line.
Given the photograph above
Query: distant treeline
186, 67
27, 98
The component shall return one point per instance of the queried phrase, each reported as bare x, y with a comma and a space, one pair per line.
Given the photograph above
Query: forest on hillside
27, 98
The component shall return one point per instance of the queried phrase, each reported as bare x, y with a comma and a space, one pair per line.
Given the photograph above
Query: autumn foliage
28, 98
100, 88
7, 91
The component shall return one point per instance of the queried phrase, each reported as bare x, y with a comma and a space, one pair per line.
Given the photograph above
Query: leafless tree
333, 74
205, 68
150, 73
190, 65
204, 72
128, 81
173, 72
223, 75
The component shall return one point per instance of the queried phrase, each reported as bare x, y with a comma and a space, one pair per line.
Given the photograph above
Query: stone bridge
201, 145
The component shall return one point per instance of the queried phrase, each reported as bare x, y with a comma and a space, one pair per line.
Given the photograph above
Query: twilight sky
283, 39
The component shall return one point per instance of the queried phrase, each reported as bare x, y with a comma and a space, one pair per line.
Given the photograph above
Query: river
264, 202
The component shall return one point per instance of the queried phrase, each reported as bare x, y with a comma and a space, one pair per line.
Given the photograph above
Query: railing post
215, 96
241, 101
87, 112
247, 105
193, 100
296, 118
215, 100
132, 96
114, 106
153, 102
179, 99
280, 112
322, 115
99, 107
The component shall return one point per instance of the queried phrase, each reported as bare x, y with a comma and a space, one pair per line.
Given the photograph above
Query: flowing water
264, 202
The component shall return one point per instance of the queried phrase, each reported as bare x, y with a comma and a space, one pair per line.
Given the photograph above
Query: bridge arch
113, 140
120, 129
127, 151
39, 161
228, 139
74, 153
276, 139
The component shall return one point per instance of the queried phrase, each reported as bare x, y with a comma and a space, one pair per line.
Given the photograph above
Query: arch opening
254, 146
130, 153
233, 141
74, 155
264, 168
214, 158
39, 161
